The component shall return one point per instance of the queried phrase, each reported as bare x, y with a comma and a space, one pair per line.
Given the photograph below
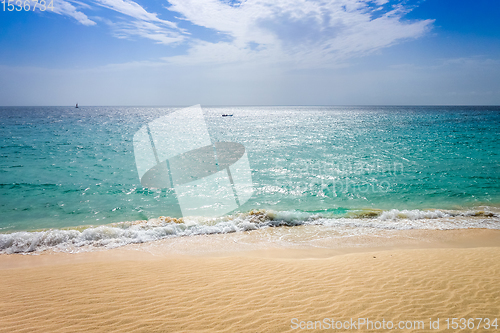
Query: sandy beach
420, 280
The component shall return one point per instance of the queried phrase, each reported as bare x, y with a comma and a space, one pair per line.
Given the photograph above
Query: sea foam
120, 234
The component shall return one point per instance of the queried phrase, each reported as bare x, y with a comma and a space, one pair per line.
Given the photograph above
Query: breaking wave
355, 222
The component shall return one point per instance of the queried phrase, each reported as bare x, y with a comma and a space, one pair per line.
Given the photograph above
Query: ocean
69, 176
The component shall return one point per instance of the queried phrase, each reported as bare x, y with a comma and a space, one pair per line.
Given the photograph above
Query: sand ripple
250, 294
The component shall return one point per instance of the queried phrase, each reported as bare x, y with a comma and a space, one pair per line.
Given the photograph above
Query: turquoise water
63, 167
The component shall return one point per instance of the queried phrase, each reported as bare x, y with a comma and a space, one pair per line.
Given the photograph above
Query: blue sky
254, 52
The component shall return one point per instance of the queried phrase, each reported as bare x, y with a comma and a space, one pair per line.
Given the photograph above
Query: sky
250, 52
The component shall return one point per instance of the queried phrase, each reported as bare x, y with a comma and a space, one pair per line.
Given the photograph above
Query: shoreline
192, 284
368, 222
277, 243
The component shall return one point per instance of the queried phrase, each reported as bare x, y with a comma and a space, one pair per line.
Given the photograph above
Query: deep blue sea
68, 176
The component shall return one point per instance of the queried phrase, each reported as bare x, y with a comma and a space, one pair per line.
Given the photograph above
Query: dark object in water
76, 107
227, 115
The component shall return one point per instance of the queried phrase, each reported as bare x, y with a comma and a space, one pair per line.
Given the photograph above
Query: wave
88, 238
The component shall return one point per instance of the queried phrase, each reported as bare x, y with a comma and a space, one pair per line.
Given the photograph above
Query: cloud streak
133, 20
144, 29
141, 23
133, 10
67, 9
300, 32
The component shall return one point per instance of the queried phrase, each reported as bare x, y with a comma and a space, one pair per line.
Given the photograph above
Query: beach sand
168, 286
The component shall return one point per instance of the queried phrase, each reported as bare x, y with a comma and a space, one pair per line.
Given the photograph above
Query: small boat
227, 115
76, 107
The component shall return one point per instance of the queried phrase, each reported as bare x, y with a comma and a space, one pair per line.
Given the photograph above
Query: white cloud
134, 10
146, 29
299, 32
65, 8
143, 24
80, 4
138, 22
